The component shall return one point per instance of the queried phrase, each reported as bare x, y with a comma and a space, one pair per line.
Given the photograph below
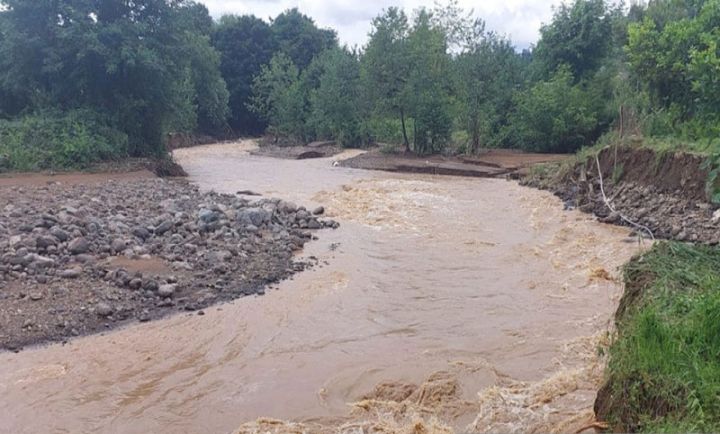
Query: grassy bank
664, 366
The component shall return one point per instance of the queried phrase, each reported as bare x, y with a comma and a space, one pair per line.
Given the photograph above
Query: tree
427, 88
578, 36
555, 115
676, 58
245, 43
489, 73
278, 98
300, 39
336, 106
137, 63
385, 67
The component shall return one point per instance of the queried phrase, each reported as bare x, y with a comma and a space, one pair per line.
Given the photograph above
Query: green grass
664, 366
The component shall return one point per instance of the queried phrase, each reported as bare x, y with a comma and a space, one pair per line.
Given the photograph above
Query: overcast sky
519, 19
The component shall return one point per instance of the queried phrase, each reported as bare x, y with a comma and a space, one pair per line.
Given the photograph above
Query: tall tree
428, 86
245, 43
278, 97
385, 66
489, 73
300, 39
336, 102
579, 36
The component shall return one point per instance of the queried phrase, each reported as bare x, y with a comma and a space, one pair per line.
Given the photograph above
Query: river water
483, 300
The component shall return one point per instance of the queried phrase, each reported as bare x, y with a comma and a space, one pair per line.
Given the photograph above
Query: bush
555, 116
58, 141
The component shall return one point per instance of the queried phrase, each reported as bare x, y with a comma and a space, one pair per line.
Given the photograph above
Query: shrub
73, 139
555, 116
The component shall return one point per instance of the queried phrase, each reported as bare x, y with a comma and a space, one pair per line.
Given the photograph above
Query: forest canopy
83, 80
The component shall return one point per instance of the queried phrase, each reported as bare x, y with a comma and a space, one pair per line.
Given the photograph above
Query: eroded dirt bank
446, 302
664, 192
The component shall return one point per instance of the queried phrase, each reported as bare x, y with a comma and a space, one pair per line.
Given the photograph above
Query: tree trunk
475, 139
404, 130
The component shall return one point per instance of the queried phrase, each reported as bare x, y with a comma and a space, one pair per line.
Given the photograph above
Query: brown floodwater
486, 294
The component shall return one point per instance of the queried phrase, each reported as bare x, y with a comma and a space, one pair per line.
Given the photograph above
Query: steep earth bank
665, 192
87, 254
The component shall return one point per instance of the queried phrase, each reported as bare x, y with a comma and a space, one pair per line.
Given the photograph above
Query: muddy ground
664, 193
488, 164
82, 253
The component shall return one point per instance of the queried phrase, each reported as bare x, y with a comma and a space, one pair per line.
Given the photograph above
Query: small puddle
471, 304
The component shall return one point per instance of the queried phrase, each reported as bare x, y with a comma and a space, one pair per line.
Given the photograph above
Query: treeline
439, 79
82, 80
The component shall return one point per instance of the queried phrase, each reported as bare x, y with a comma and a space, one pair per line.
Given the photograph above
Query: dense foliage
438, 78
147, 66
431, 80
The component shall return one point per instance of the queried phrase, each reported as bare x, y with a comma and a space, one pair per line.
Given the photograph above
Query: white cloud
519, 19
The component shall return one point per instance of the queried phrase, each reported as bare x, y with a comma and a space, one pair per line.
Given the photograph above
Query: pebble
78, 245
103, 309
167, 290
71, 273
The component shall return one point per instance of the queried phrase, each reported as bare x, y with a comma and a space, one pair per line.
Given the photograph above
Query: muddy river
475, 304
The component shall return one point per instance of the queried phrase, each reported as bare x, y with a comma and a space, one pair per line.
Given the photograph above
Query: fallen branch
612, 209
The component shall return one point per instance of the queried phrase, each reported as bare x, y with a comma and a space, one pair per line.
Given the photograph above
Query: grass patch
664, 366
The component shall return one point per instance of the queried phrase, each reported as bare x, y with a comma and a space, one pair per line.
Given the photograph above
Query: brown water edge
484, 295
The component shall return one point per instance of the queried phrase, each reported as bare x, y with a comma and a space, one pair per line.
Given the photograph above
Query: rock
319, 210
71, 273
151, 285
247, 193
716, 216
313, 224
136, 283
43, 262
141, 232
44, 241
84, 258
208, 216
286, 207
21, 260
253, 216
78, 245
118, 245
103, 309
144, 316
167, 290
163, 227
219, 256
36, 296
15, 240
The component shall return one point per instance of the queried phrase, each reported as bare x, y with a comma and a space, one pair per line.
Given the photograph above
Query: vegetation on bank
664, 366
124, 75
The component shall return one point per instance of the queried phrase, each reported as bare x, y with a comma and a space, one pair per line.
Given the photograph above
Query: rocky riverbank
82, 258
663, 192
